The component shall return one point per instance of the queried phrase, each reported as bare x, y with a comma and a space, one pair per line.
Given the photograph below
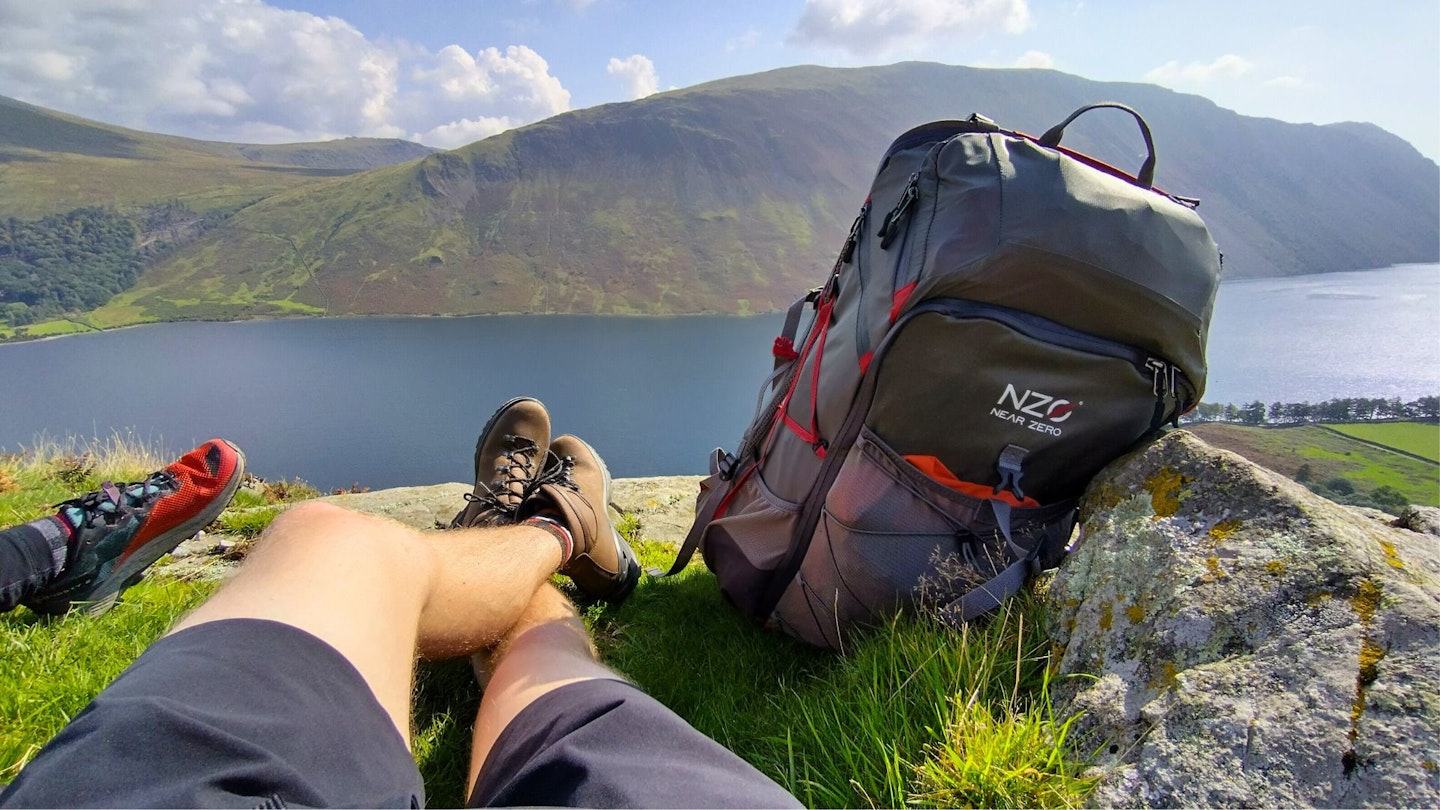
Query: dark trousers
251, 713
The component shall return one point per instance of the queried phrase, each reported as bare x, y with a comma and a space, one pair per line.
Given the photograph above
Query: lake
397, 401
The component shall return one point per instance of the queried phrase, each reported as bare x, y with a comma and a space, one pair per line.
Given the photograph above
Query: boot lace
113, 502
517, 467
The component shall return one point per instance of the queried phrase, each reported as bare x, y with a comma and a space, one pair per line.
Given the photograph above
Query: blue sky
451, 71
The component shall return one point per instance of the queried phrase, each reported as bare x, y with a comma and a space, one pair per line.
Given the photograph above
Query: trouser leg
30, 556
604, 743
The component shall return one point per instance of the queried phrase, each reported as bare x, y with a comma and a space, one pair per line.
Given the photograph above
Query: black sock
31, 556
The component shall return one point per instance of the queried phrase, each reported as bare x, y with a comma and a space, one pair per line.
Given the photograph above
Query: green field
1319, 454
1417, 438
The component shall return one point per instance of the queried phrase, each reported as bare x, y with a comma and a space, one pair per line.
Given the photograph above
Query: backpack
1004, 319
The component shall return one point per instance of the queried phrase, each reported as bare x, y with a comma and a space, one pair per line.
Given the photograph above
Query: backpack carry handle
1146, 177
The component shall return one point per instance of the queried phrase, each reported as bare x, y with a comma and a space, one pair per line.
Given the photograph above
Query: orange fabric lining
939, 473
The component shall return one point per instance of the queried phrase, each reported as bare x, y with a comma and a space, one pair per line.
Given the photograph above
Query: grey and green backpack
1005, 318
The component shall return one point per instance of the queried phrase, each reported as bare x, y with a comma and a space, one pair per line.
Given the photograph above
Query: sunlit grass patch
1418, 438
51, 668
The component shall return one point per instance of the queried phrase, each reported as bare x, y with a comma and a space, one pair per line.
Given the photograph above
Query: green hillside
730, 196
1319, 457
52, 163
1416, 438
733, 196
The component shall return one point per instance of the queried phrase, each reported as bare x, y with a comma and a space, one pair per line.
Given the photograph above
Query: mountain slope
733, 195
51, 162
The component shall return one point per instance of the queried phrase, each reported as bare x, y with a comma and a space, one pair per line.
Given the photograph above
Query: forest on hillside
77, 261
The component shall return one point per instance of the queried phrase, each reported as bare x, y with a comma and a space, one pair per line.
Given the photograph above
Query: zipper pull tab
1160, 385
890, 226
856, 228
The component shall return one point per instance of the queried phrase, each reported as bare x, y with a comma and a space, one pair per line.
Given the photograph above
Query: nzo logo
1036, 411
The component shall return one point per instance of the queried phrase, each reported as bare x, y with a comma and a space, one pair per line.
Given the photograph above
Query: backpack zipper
890, 225
1166, 378
1048, 331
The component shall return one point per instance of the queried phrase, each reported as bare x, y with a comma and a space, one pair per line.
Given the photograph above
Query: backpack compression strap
1007, 583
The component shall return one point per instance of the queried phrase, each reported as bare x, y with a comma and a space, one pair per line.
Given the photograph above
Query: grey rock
1367, 512
1423, 519
1234, 640
417, 507
664, 506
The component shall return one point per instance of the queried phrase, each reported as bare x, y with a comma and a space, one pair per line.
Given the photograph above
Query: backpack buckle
784, 349
723, 464
1009, 465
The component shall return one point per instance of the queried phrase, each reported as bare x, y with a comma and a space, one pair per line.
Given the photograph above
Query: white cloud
1284, 83
1221, 68
636, 74
868, 27
517, 77
459, 133
1035, 59
245, 70
744, 42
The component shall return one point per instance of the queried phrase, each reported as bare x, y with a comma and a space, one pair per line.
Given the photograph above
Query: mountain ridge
732, 196
16, 132
53, 162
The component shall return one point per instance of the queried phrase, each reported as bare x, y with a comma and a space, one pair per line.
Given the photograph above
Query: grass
916, 714
51, 470
1317, 454
51, 669
1416, 438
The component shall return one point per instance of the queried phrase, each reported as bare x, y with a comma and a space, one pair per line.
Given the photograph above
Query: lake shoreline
397, 400
4, 341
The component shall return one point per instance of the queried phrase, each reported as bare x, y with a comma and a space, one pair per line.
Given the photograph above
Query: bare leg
548, 648
606, 745
381, 593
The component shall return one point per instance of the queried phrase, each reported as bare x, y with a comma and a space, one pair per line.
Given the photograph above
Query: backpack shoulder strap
718, 496
692, 539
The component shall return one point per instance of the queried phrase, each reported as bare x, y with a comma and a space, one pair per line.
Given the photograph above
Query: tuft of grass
629, 527
52, 668
287, 491
247, 497
248, 523
53, 470
446, 699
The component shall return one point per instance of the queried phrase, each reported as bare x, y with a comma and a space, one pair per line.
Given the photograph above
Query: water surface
398, 401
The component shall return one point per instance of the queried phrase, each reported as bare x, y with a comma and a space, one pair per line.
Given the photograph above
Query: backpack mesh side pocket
744, 546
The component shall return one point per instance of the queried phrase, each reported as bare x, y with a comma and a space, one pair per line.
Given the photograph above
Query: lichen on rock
1233, 639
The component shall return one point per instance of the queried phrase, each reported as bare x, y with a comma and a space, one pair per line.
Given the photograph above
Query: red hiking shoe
121, 529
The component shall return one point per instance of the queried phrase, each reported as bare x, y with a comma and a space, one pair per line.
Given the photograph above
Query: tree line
64, 263
1345, 409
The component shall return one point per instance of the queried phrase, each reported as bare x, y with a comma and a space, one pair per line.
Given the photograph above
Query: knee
339, 536
310, 518
315, 524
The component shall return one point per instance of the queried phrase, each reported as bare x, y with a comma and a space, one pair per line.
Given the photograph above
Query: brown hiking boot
510, 451
575, 492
